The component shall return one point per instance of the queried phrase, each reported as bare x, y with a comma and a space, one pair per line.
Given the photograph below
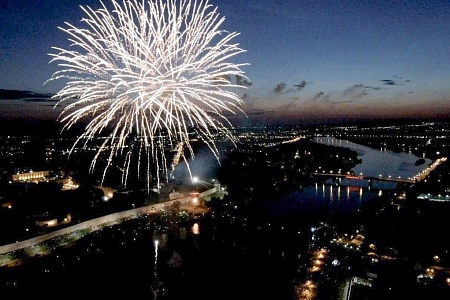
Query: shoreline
8, 260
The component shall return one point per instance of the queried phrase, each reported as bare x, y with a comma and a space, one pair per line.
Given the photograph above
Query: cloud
389, 82
242, 81
318, 95
395, 82
353, 89
282, 88
322, 98
356, 91
325, 99
341, 102
253, 112
376, 88
249, 101
25, 96
288, 106
301, 85
223, 78
39, 100
279, 88
256, 113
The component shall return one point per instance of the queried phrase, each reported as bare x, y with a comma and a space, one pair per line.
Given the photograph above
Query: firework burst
148, 74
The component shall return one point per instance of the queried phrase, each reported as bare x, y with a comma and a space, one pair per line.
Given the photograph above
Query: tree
176, 205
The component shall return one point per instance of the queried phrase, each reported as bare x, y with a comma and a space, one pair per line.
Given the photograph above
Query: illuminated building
30, 176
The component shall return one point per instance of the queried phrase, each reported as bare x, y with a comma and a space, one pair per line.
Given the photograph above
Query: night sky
309, 60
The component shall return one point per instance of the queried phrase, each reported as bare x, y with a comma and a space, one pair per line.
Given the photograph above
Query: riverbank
9, 256
383, 164
194, 209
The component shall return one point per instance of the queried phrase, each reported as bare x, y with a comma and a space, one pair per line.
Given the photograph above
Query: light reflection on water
377, 162
195, 229
345, 194
335, 198
251, 251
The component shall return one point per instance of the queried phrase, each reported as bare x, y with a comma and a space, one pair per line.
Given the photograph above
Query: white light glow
145, 74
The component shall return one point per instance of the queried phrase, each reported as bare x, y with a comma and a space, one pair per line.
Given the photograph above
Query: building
31, 176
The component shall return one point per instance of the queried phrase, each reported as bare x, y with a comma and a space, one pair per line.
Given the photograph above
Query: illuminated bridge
422, 175
369, 178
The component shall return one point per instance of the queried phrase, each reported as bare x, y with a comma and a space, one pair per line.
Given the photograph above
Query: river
220, 257
376, 162
348, 195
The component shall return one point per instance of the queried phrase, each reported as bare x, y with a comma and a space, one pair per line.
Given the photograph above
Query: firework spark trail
176, 158
146, 69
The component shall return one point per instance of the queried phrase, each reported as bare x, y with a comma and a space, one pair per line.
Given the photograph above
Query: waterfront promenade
188, 203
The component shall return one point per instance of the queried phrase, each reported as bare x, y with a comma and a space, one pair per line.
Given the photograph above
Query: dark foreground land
240, 250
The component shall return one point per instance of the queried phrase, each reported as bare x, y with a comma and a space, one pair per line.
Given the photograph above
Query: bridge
98, 223
419, 177
361, 177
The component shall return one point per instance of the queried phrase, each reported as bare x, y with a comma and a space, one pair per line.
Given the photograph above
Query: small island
420, 161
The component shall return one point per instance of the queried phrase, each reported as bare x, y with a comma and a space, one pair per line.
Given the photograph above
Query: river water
376, 162
216, 258
348, 195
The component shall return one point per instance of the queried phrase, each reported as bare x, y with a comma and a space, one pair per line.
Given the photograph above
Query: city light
316, 266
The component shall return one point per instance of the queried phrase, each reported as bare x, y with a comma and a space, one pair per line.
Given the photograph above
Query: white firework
147, 74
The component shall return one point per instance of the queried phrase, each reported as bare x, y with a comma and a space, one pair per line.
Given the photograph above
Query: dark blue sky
309, 60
